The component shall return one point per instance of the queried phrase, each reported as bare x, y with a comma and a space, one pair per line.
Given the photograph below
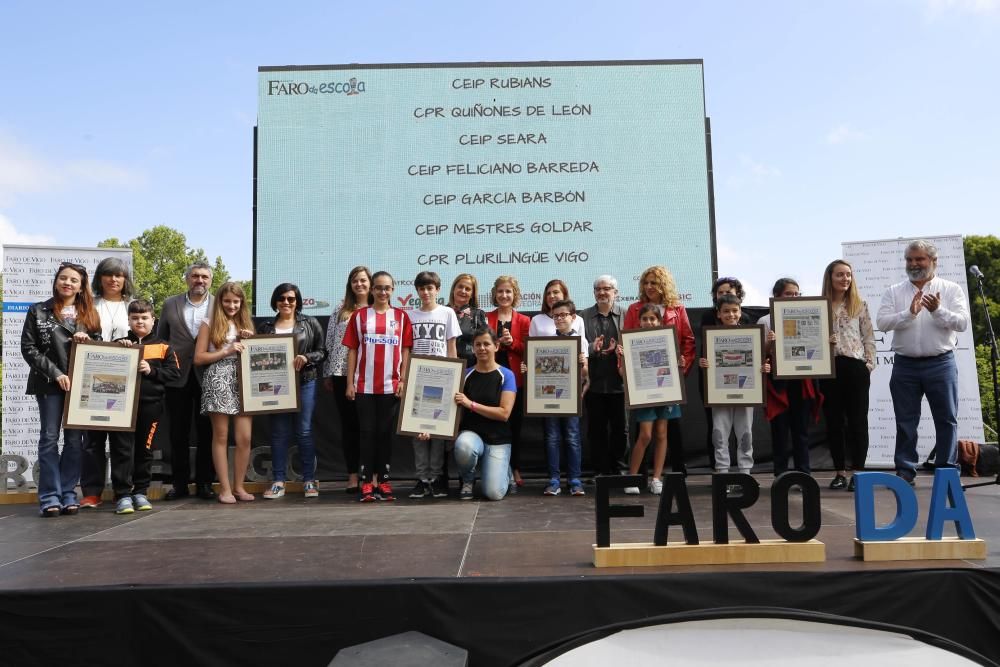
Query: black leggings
377, 419
846, 399
350, 434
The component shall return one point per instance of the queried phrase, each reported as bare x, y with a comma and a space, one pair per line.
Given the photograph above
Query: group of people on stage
189, 373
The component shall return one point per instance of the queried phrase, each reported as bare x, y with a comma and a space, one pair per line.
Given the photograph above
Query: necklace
114, 314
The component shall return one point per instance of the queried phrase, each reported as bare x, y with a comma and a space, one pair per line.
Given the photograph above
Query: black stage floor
312, 562
335, 538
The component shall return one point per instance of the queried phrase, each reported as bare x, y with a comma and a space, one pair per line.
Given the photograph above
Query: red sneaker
367, 493
90, 502
385, 492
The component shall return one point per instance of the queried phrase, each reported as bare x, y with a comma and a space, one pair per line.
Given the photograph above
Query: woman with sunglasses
286, 301
49, 328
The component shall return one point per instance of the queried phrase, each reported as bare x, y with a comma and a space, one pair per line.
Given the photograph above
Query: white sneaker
632, 490
655, 487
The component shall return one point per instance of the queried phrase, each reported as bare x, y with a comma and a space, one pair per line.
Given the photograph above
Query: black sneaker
839, 482
420, 490
438, 489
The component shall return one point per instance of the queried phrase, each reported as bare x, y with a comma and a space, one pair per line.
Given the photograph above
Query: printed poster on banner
28, 272
878, 265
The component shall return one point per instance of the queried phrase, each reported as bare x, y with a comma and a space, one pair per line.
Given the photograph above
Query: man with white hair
925, 313
605, 399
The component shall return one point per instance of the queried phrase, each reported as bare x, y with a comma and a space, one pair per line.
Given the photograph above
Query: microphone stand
994, 356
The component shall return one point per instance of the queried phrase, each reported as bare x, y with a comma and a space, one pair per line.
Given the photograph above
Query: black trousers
794, 421
183, 407
94, 461
132, 473
515, 421
606, 431
377, 419
846, 402
350, 433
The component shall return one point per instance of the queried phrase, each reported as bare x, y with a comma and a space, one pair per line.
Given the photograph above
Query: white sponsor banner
28, 272
877, 265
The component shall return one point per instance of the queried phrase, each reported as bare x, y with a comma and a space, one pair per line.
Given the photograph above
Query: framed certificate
735, 356
802, 328
428, 403
267, 377
104, 387
553, 380
652, 371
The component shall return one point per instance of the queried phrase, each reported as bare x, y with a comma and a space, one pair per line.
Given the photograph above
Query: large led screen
536, 170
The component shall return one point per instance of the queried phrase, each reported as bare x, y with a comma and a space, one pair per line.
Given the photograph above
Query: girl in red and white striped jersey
378, 339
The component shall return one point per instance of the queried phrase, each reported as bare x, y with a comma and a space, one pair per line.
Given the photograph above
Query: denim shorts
659, 412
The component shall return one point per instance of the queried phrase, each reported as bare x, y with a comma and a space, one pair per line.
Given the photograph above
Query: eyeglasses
559, 316
287, 299
382, 288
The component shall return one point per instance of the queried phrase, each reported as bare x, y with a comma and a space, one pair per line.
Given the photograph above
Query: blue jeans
281, 432
937, 379
469, 450
58, 474
556, 430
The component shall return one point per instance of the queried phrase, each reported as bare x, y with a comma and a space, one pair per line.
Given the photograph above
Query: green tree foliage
984, 252
159, 258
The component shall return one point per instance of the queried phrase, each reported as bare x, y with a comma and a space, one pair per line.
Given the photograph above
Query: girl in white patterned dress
217, 347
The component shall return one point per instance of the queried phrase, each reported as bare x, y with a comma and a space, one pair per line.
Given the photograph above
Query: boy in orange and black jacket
158, 367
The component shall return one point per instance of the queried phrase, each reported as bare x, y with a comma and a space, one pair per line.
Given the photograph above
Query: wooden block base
641, 554
919, 548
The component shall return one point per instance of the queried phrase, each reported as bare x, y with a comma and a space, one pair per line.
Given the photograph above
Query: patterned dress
219, 390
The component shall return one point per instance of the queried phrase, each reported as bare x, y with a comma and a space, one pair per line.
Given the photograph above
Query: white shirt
432, 329
543, 325
926, 334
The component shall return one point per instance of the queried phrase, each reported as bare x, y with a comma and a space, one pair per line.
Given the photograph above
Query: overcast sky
832, 121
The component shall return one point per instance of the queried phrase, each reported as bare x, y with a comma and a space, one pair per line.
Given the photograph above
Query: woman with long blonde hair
357, 295
218, 345
846, 395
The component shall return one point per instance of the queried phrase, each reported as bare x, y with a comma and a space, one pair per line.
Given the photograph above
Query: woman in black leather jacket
49, 328
286, 300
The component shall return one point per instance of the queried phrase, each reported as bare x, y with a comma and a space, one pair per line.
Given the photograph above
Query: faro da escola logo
352, 86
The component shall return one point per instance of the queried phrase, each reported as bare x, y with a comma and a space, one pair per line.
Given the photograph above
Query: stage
273, 580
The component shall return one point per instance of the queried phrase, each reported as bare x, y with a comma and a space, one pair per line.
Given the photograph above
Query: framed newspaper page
652, 372
428, 403
104, 387
734, 376
268, 380
802, 329
553, 381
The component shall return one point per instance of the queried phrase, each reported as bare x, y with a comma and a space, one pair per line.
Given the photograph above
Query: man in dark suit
179, 322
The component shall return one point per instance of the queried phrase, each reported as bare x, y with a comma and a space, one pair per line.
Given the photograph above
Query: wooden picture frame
734, 377
104, 387
652, 373
552, 385
428, 401
802, 327
267, 379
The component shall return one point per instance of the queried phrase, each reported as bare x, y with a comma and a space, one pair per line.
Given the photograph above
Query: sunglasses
287, 299
79, 268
